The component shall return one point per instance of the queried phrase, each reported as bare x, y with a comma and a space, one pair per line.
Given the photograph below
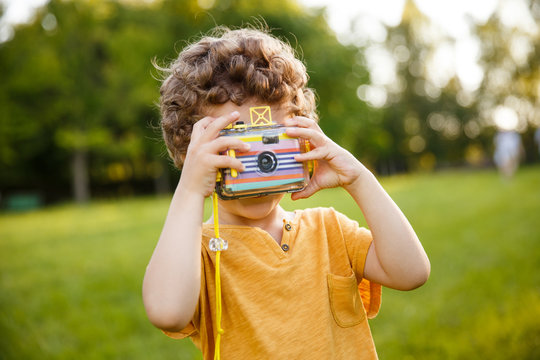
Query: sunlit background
418, 86
429, 94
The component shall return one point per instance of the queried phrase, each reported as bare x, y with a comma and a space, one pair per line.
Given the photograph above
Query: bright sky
20, 10
16, 11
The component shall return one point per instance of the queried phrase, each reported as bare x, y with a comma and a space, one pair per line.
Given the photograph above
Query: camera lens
267, 161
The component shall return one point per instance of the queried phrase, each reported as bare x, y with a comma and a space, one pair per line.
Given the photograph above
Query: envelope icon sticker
260, 115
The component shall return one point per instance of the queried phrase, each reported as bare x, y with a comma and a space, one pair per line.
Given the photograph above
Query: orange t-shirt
300, 300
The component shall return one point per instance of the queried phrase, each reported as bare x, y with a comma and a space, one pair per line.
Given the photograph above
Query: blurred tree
78, 85
403, 99
30, 78
78, 90
424, 114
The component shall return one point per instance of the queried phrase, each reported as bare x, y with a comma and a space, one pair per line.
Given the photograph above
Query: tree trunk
81, 183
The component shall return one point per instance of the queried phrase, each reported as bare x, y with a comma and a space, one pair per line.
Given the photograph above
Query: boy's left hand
334, 167
396, 259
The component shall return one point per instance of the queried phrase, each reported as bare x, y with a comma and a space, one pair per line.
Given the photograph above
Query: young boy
289, 279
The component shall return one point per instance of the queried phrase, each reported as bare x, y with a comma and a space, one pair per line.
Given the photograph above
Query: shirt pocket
345, 301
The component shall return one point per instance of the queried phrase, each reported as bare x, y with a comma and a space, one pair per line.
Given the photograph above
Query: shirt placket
287, 232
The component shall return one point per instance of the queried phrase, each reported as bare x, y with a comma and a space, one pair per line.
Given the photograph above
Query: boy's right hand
203, 157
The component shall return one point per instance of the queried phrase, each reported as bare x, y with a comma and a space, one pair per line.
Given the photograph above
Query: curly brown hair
230, 65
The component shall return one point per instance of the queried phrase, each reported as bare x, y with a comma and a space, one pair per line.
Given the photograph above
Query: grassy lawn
70, 277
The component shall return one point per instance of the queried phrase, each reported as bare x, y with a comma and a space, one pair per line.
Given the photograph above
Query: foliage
79, 86
431, 117
71, 275
78, 91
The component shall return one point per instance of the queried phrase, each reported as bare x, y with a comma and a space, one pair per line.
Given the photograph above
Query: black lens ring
267, 161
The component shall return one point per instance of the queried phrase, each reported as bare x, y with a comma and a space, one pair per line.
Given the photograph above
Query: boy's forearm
400, 260
172, 281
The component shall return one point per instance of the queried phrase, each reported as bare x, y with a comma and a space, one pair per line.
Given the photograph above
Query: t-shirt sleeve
185, 332
190, 329
358, 240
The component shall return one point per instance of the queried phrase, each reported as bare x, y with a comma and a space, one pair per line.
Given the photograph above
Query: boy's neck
276, 216
272, 223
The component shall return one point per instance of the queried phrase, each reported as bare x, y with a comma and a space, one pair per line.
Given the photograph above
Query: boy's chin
257, 207
261, 199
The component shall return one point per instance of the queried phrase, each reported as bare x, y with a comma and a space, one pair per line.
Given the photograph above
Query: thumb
309, 190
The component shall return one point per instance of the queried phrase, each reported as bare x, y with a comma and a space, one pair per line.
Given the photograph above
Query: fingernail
235, 113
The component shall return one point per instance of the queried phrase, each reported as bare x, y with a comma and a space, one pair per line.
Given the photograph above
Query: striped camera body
270, 166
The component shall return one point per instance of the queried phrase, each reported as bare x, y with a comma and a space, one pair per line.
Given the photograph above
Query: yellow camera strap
217, 244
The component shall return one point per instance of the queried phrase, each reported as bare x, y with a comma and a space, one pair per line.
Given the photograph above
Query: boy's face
257, 207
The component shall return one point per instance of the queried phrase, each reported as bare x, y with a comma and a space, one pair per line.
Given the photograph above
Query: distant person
508, 150
290, 280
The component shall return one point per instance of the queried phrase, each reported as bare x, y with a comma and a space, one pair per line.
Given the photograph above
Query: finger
223, 143
213, 129
227, 162
200, 126
204, 122
315, 137
315, 154
304, 122
304, 194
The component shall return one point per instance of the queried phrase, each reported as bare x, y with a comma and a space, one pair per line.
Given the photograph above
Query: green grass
70, 277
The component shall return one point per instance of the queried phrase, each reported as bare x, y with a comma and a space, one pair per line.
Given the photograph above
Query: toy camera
270, 166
